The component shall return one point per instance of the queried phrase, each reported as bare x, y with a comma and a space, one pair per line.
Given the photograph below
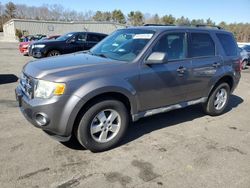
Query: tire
53, 53
244, 64
218, 100
95, 131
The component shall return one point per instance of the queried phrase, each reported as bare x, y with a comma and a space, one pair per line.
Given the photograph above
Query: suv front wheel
103, 125
218, 100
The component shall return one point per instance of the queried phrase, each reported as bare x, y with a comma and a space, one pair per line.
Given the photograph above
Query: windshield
65, 37
123, 45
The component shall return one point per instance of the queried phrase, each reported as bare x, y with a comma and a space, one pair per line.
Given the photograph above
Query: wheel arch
52, 49
227, 79
100, 97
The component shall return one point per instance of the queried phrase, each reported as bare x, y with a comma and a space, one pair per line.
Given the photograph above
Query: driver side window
81, 37
173, 44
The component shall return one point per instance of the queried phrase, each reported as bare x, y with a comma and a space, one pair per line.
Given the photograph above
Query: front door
165, 84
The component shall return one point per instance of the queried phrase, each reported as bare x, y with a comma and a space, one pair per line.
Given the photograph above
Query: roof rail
159, 25
211, 26
187, 25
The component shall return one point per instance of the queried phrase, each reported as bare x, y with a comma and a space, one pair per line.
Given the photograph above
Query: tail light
238, 67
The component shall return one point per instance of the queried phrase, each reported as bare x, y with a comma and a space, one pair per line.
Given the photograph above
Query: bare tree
10, 10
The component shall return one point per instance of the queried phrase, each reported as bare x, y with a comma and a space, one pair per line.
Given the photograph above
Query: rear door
205, 63
165, 84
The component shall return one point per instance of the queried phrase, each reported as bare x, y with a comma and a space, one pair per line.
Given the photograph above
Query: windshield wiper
100, 55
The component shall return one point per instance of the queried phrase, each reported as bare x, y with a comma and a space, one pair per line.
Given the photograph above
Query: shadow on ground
160, 121
172, 118
8, 78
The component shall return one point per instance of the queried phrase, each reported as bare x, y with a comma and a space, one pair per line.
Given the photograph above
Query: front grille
27, 85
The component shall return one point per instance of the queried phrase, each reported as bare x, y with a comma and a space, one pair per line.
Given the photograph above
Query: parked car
131, 74
244, 57
247, 48
69, 43
24, 46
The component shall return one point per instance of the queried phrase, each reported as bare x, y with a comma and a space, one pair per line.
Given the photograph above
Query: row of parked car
28, 40
42, 46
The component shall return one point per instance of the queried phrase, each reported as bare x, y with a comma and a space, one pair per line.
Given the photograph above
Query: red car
24, 46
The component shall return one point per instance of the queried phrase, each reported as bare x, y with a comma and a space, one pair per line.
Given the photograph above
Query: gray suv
131, 74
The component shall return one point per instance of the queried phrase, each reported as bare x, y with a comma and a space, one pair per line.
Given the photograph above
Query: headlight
25, 46
38, 46
46, 89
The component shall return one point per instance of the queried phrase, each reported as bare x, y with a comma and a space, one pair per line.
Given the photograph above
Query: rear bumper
236, 78
51, 115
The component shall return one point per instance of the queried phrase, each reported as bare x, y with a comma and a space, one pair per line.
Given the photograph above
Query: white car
244, 57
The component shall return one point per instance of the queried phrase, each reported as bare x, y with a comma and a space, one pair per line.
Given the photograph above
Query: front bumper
57, 112
37, 52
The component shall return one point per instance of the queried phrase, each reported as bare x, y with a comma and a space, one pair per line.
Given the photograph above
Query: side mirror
157, 58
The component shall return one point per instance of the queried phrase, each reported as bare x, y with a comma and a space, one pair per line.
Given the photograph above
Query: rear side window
94, 38
228, 44
201, 45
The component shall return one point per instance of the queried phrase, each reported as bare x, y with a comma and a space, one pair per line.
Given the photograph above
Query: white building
33, 27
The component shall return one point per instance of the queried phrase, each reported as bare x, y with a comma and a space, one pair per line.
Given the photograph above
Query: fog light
41, 119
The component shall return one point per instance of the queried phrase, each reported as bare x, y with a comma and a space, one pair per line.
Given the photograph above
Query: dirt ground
182, 148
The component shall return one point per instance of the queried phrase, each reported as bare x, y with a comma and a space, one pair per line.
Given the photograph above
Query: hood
63, 67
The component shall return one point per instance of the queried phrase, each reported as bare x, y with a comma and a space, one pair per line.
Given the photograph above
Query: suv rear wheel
218, 100
103, 125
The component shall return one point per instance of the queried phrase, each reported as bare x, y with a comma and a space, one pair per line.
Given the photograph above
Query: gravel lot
182, 148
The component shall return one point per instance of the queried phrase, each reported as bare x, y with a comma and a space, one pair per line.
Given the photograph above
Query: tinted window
201, 44
102, 37
94, 38
228, 44
81, 37
65, 37
172, 44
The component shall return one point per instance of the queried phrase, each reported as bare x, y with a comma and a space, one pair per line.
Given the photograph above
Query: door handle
216, 64
181, 70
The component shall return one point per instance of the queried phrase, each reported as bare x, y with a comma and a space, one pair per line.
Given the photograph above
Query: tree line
136, 18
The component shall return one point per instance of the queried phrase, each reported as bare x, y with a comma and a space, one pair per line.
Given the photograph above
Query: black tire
244, 64
209, 107
83, 131
53, 53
